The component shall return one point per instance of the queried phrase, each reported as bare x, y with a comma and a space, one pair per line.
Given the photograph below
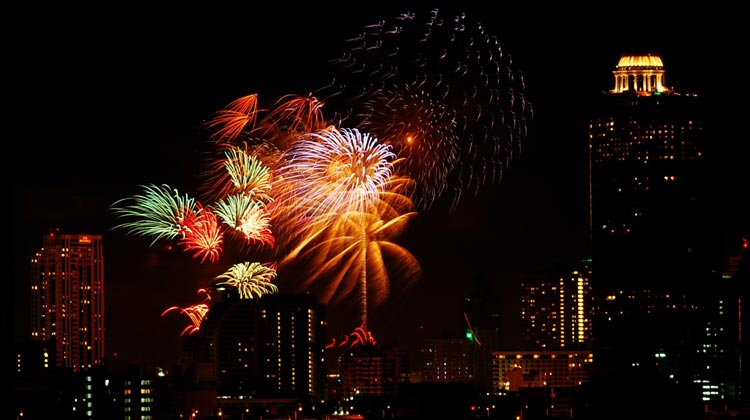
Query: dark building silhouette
265, 352
648, 182
484, 328
663, 311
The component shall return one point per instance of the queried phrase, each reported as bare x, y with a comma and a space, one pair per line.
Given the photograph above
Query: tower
648, 174
67, 299
655, 244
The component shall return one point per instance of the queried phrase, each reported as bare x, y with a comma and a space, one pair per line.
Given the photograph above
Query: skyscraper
655, 244
648, 186
67, 299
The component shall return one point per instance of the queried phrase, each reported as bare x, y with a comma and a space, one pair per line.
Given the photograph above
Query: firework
239, 172
361, 336
160, 212
332, 171
229, 123
355, 254
247, 216
444, 80
422, 133
203, 237
294, 114
195, 313
250, 279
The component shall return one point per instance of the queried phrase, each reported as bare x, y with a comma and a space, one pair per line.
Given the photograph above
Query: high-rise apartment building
67, 299
557, 309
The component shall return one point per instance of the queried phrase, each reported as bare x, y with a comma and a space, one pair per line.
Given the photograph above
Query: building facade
512, 371
557, 309
447, 360
371, 371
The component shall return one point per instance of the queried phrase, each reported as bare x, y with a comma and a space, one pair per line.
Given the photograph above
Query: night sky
102, 105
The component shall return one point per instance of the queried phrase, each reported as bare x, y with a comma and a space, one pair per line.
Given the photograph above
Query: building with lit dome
643, 74
665, 324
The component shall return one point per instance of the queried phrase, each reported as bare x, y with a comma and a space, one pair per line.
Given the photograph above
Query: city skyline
554, 220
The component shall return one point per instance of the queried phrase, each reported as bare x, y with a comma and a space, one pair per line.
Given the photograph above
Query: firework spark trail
294, 115
440, 78
231, 122
361, 336
163, 213
196, 313
267, 130
422, 133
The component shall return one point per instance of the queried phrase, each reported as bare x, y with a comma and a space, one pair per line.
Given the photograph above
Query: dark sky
101, 104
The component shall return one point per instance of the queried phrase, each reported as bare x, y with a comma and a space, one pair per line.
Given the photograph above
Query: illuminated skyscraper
655, 243
648, 181
67, 299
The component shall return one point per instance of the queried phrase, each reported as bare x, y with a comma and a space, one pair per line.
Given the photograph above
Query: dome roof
640, 61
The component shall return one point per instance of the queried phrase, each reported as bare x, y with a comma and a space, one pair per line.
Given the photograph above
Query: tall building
660, 316
557, 309
266, 350
67, 299
648, 182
